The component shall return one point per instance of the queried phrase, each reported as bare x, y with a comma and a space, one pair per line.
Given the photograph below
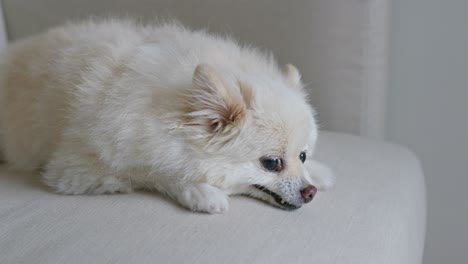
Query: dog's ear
214, 105
292, 75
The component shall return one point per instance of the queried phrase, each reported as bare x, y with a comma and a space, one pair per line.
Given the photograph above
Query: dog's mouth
280, 201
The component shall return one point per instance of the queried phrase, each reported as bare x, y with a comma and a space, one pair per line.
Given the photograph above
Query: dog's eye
272, 163
303, 156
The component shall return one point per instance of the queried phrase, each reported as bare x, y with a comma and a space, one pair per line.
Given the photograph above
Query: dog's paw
322, 176
204, 198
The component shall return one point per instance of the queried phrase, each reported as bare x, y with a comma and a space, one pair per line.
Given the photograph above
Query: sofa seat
375, 214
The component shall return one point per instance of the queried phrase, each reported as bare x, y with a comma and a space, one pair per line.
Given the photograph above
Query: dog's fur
113, 106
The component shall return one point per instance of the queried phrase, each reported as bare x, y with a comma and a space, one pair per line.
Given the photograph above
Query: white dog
113, 106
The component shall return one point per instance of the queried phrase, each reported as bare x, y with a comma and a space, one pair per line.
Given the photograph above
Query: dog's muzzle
307, 194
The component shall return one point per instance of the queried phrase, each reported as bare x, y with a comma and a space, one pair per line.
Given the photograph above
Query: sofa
376, 213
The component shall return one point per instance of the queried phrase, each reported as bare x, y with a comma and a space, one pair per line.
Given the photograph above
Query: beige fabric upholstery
376, 214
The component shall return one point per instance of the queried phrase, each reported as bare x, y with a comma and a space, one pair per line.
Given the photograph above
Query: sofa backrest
339, 45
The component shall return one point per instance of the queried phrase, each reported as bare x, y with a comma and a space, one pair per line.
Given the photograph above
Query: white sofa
375, 214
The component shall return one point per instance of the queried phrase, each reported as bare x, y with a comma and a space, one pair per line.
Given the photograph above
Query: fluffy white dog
113, 106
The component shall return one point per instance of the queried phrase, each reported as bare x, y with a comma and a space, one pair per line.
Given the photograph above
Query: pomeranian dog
114, 106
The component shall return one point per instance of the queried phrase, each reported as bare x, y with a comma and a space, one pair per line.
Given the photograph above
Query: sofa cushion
375, 214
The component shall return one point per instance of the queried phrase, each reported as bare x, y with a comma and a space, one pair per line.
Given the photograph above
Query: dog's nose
308, 193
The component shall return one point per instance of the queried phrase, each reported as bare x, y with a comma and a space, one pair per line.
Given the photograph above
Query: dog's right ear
213, 105
291, 74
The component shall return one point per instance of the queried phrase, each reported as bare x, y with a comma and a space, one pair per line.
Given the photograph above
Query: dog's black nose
308, 193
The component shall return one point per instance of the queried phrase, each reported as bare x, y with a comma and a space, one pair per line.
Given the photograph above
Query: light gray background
428, 111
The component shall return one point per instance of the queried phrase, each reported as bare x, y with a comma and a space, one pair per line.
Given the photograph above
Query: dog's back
38, 75
41, 74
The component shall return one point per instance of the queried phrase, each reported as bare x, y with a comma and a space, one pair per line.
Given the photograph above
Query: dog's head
256, 135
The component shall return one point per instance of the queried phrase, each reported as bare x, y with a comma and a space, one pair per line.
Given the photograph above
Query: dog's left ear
212, 104
292, 75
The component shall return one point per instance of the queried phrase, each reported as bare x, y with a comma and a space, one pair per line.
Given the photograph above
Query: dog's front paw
204, 198
322, 176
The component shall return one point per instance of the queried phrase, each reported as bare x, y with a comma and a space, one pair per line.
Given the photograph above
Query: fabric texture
375, 214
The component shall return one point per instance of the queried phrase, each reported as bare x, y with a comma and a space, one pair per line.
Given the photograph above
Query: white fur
113, 106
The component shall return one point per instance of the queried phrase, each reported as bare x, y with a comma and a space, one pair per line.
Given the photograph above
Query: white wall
428, 112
